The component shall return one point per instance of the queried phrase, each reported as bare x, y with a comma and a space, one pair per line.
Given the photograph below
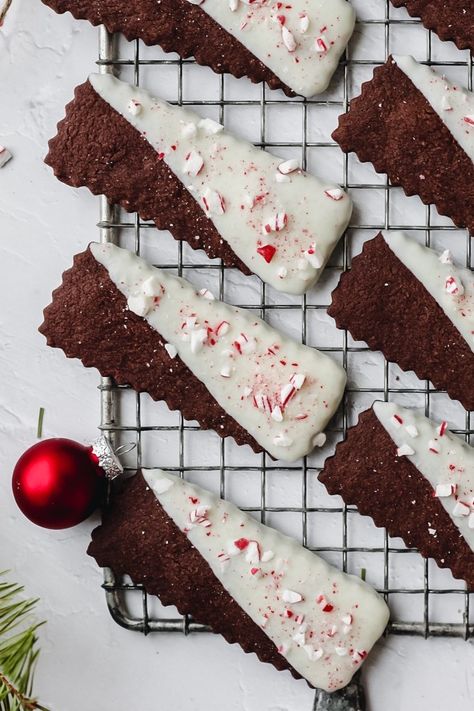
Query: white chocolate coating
322, 620
450, 286
281, 392
301, 42
255, 200
453, 103
442, 458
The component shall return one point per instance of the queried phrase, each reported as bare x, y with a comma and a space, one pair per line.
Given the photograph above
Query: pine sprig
4, 7
18, 650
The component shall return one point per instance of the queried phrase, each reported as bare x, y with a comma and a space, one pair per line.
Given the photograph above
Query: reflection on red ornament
58, 483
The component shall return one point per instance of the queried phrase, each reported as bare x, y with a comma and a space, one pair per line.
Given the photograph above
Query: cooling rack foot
351, 698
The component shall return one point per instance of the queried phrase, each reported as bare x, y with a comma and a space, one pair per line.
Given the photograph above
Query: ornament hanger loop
125, 449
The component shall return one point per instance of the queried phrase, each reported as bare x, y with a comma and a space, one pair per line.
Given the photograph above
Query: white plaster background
87, 662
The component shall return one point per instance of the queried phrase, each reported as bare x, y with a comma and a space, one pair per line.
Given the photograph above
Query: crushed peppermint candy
454, 286
321, 44
288, 39
443, 490
277, 222
213, 202
241, 543
207, 294
134, 107
171, 350
313, 654
193, 163
405, 451
140, 304
335, 194
442, 428
291, 596
461, 509
268, 251
252, 554
210, 127
161, 486
198, 338
288, 166
320, 439
396, 420
312, 257
300, 638
445, 257
198, 516
282, 440
304, 23
324, 604
277, 414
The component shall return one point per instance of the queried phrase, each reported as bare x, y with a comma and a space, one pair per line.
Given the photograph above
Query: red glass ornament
58, 483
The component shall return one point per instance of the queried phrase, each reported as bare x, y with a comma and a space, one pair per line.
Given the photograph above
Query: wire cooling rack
424, 599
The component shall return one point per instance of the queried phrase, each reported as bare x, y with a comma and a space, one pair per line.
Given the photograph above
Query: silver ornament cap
107, 458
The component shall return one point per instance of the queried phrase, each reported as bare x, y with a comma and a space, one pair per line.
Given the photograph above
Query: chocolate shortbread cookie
417, 127
294, 47
413, 478
414, 305
217, 364
249, 582
450, 19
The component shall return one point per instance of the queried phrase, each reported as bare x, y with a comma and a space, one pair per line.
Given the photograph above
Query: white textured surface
87, 661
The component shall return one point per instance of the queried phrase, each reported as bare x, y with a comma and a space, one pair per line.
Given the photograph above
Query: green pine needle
18, 650
39, 429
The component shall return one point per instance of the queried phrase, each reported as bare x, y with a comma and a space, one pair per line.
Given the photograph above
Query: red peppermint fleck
241, 543
321, 44
324, 604
267, 252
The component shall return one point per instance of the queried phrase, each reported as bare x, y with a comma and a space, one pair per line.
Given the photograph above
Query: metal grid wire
112, 226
